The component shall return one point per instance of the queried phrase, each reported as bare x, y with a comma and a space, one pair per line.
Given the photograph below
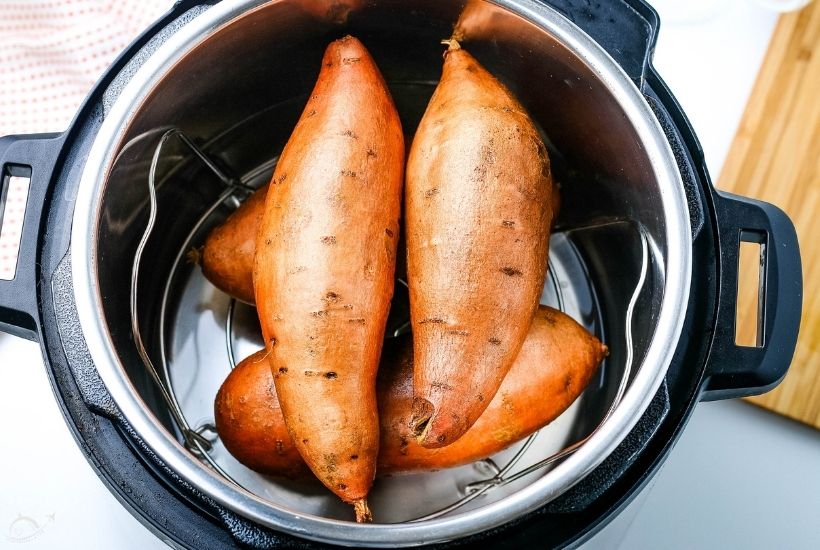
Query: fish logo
25, 529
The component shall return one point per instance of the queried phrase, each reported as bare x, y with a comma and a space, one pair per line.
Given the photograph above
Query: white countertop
740, 477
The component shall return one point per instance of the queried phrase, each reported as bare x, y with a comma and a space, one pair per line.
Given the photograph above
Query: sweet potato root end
420, 421
452, 44
362, 510
194, 256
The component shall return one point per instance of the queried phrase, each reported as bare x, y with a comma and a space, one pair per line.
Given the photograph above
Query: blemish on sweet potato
433, 320
328, 239
330, 462
511, 271
479, 174
506, 402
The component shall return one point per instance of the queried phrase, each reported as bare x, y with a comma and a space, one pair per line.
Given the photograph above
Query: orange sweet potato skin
248, 414
479, 205
555, 364
324, 266
227, 256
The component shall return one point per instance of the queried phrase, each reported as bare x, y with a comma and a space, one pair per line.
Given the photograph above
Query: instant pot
191, 119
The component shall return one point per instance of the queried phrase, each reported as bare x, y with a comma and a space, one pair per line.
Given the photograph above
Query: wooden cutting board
775, 157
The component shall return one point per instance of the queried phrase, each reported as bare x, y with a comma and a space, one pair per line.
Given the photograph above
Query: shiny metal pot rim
677, 271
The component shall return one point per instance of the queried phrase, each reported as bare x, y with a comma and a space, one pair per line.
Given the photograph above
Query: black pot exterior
39, 304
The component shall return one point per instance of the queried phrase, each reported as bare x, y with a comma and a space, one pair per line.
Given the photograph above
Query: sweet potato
227, 256
555, 364
324, 267
479, 198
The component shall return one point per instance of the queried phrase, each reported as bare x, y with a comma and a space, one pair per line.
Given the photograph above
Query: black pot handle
739, 371
33, 157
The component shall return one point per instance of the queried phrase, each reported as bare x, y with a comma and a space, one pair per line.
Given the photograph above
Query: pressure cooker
191, 118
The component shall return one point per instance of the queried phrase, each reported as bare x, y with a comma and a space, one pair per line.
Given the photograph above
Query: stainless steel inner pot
235, 77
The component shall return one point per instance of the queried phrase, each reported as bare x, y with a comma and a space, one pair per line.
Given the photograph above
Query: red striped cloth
51, 53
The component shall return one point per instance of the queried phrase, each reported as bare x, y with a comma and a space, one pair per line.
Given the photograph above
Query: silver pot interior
238, 94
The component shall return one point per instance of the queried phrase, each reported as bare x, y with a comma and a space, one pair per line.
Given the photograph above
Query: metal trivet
199, 440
